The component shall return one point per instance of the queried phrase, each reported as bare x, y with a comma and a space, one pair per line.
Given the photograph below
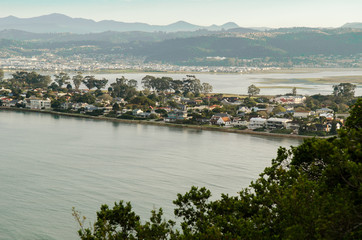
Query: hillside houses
262, 113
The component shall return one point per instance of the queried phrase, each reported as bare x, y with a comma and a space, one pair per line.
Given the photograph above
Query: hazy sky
246, 13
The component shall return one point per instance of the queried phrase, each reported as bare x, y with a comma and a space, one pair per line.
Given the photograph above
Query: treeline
122, 87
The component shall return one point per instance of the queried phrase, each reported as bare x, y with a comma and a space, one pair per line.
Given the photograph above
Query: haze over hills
57, 23
353, 25
179, 43
111, 36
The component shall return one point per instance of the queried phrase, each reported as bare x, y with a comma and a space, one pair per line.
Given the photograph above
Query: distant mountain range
179, 43
353, 25
59, 23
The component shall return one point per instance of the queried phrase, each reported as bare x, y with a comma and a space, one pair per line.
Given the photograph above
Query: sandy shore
155, 123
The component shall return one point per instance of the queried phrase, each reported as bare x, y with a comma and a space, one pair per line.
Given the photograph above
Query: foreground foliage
312, 191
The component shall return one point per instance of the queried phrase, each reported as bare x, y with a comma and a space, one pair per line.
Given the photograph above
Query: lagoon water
49, 164
238, 83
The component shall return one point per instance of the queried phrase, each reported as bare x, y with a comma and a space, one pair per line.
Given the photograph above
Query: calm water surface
50, 164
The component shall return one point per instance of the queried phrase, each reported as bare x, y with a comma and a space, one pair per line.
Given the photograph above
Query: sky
245, 13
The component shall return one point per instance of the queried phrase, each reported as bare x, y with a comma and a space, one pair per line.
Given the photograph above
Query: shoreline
163, 124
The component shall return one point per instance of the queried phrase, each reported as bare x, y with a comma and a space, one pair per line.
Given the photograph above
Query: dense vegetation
312, 191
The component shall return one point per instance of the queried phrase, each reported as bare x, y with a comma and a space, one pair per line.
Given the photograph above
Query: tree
62, 78
354, 121
85, 98
69, 87
132, 83
345, 90
206, 88
279, 109
116, 107
176, 85
294, 91
121, 222
146, 81
1, 75
253, 90
29, 79
143, 100
89, 81
77, 80
191, 85
122, 88
99, 84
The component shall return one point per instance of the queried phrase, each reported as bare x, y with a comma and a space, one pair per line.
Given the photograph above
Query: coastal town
187, 102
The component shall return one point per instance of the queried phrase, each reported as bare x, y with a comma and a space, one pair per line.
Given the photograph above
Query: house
236, 121
221, 119
137, 112
77, 106
90, 108
176, 115
324, 127
324, 110
38, 103
120, 101
294, 125
303, 114
244, 110
66, 105
203, 120
289, 99
5, 102
255, 123
228, 102
258, 109
274, 123
328, 116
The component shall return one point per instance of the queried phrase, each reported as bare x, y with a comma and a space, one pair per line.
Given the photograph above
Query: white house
257, 123
324, 110
273, 123
303, 114
221, 119
38, 103
137, 112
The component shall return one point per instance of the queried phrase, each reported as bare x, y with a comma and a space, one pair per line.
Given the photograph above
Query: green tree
147, 81
143, 100
62, 78
99, 84
29, 79
176, 85
77, 80
1, 75
89, 82
206, 88
279, 109
122, 88
354, 121
253, 90
344, 90
191, 85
